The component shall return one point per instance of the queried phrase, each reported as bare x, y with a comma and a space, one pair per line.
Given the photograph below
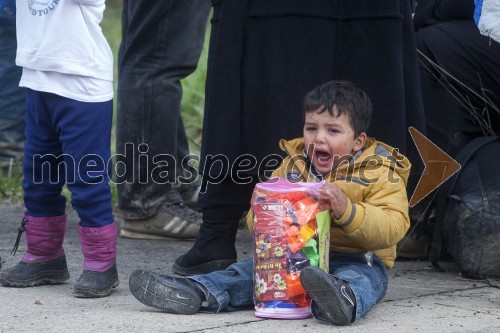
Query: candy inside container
290, 233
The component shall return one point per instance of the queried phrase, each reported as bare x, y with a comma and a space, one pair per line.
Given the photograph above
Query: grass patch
10, 182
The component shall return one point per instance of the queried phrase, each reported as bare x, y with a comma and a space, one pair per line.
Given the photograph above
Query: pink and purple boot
44, 261
99, 275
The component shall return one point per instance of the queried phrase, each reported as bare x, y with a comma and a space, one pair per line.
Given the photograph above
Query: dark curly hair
346, 97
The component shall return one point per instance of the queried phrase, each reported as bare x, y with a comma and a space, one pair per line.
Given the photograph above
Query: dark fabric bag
468, 212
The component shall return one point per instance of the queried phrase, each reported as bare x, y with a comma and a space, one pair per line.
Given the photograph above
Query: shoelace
20, 231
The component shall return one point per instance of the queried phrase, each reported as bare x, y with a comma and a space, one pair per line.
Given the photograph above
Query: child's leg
44, 165
227, 290
367, 279
45, 219
85, 133
232, 287
355, 285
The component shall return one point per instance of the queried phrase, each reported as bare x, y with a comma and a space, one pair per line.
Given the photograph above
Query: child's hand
332, 197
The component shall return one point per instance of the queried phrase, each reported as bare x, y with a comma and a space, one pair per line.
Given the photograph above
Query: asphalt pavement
419, 299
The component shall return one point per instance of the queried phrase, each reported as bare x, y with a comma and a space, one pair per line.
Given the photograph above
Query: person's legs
45, 218
12, 108
227, 290
367, 278
459, 71
468, 76
232, 287
84, 130
161, 44
224, 202
355, 285
223, 205
243, 49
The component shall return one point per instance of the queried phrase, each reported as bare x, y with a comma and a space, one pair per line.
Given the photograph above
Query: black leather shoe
93, 284
170, 294
333, 300
33, 274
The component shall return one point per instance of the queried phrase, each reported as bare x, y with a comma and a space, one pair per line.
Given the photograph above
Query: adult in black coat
460, 74
460, 80
263, 57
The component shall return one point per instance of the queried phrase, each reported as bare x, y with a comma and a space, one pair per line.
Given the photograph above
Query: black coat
264, 55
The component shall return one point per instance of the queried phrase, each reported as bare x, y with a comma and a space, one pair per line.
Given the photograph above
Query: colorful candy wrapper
290, 233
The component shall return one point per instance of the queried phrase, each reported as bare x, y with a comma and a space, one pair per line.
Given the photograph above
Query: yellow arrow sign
439, 166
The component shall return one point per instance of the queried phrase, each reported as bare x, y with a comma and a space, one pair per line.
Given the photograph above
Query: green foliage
10, 182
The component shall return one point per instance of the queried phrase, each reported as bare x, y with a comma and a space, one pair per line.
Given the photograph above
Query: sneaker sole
39, 279
321, 289
158, 294
87, 293
205, 268
140, 235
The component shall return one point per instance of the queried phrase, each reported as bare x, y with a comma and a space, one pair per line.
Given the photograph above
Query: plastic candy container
290, 233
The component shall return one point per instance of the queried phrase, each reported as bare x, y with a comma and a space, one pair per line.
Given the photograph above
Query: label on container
270, 250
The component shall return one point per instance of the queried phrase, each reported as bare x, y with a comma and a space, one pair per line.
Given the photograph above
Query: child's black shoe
30, 274
333, 301
170, 294
93, 284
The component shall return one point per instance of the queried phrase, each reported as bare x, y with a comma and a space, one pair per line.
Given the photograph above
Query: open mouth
323, 159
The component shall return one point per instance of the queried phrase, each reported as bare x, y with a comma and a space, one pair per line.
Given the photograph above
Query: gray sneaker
172, 221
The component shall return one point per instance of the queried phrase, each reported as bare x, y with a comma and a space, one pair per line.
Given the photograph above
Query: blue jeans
366, 277
11, 95
161, 44
233, 287
67, 142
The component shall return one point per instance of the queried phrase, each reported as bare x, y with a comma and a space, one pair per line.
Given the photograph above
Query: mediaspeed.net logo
137, 166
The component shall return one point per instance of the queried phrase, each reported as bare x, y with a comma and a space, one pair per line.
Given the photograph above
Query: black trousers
265, 55
469, 75
161, 44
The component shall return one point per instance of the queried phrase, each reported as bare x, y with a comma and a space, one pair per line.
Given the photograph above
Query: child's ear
359, 142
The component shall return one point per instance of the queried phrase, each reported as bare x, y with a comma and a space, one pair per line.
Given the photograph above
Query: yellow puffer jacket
376, 217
